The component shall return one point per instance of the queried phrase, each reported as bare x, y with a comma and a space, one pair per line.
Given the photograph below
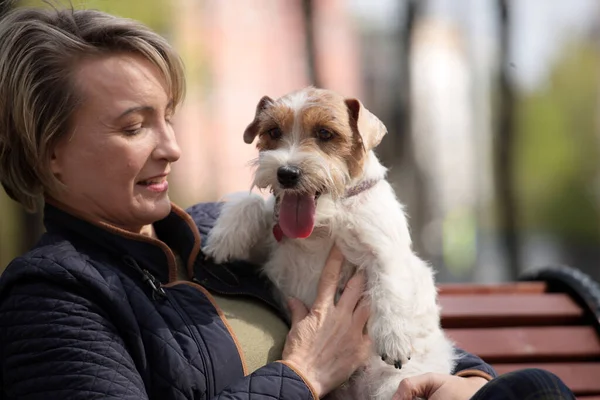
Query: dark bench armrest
563, 279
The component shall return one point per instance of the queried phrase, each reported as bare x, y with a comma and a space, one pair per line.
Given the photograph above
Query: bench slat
494, 310
581, 378
530, 344
503, 288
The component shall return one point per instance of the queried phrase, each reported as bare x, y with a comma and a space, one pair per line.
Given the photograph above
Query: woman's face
115, 161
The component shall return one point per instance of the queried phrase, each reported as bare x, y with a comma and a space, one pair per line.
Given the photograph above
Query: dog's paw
394, 346
219, 247
238, 229
217, 252
396, 362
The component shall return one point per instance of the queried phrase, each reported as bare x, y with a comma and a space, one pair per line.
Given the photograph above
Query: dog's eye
275, 133
324, 134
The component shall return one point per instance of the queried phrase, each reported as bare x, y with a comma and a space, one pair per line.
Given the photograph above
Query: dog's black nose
288, 176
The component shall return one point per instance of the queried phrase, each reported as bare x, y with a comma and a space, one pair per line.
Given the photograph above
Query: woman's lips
157, 186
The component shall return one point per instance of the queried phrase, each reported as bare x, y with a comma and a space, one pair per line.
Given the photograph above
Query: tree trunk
504, 145
309, 43
403, 141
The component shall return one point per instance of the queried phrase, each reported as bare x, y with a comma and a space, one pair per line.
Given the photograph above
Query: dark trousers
526, 384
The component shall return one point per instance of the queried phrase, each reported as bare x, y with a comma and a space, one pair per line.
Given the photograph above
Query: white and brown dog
315, 156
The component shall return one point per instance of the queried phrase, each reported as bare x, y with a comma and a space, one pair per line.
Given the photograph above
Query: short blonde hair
39, 50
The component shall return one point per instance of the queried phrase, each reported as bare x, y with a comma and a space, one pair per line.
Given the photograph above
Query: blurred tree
506, 206
401, 125
155, 13
557, 151
309, 43
10, 237
401, 150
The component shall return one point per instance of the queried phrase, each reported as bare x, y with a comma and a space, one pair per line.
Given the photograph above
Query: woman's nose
167, 147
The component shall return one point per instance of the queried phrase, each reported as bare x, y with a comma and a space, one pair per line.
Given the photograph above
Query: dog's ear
252, 129
370, 128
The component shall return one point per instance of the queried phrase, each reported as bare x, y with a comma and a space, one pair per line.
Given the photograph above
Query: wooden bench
549, 320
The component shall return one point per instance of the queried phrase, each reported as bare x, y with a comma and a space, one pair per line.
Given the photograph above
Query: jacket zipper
203, 349
159, 293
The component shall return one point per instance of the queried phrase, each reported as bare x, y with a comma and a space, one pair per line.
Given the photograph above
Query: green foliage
11, 230
557, 143
157, 14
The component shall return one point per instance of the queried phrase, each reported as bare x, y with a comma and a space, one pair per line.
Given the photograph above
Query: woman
115, 300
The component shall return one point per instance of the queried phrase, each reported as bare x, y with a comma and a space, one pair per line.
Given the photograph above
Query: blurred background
491, 107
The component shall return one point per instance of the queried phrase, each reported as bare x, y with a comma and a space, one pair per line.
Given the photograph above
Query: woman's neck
145, 230
148, 230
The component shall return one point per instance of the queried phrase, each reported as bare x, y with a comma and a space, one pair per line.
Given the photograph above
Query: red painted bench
550, 319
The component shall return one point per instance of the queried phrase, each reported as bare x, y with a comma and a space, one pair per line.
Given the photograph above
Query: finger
362, 312
330, 277
297, 309
416, 386
353, 292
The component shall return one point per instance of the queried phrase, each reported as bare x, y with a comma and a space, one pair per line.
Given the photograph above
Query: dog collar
361, 187
353, 191
277, 232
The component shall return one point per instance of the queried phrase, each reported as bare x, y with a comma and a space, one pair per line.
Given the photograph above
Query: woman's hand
327, 343
439, 387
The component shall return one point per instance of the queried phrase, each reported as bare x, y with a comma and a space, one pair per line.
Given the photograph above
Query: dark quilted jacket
94, 312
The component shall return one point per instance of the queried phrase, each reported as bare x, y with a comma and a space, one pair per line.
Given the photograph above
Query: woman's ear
55, 160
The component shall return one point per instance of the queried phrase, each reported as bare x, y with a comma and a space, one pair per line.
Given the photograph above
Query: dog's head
311, 142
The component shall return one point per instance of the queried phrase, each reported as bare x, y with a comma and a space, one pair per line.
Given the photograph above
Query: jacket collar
177, 231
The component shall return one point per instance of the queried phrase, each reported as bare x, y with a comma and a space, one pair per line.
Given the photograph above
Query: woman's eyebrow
143, 109
134, 110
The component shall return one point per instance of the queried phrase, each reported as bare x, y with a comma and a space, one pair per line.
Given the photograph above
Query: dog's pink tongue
297, 215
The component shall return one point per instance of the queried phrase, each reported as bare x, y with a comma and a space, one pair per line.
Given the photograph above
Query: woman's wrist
304, 372
475, 383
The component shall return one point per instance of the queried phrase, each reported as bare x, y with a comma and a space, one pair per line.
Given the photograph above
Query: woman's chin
158, 209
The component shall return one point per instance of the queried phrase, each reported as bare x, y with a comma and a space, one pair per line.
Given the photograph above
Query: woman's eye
324, 134
275, 133
132, 131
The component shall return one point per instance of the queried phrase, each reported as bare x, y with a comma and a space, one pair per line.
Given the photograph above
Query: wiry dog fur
330, 139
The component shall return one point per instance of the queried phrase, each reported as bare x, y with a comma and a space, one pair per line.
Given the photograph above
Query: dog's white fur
372, 232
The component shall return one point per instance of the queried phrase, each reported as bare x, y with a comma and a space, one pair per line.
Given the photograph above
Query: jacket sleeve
276, 380
56, 344
468, 364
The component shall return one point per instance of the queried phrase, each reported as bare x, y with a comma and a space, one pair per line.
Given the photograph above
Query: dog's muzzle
288, 176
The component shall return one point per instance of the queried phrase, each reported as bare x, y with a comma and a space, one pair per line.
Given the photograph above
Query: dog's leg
399, 284
404, 323
395, 296
242, 225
